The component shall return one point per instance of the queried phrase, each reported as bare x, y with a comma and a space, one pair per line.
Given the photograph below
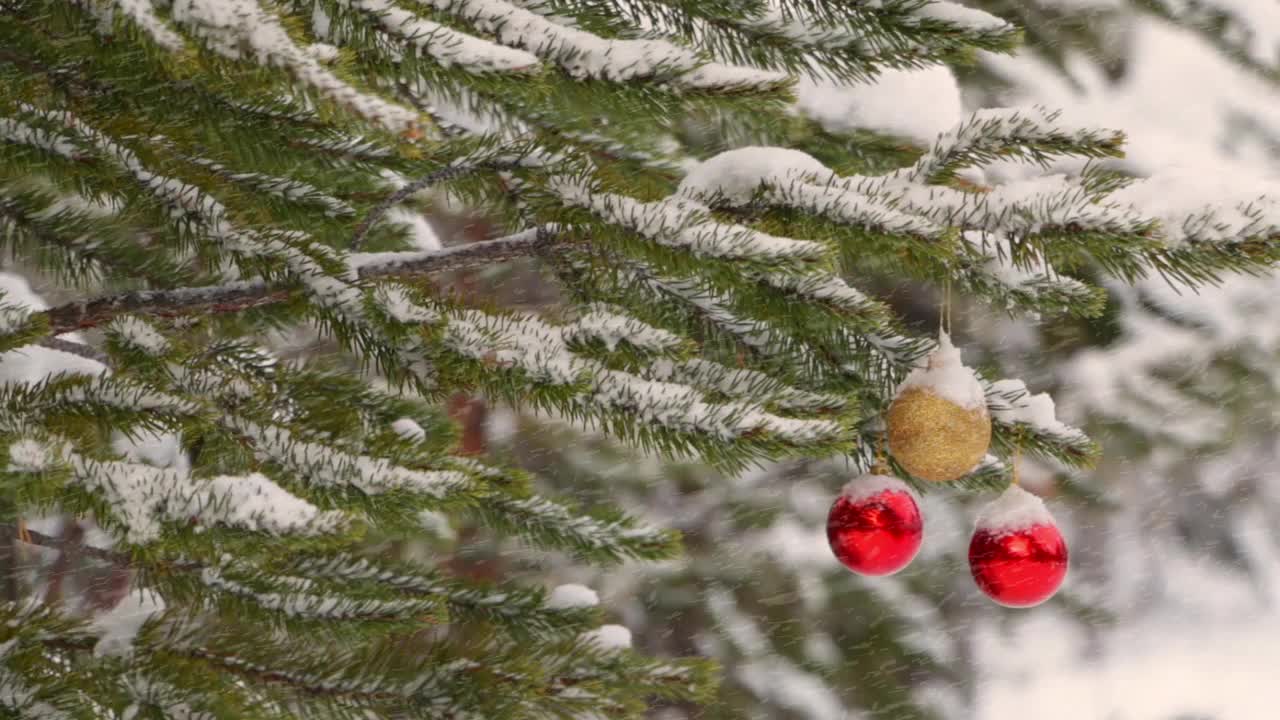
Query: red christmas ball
875, 526
1018, 556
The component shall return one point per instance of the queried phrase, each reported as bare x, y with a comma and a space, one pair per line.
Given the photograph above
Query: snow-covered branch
245, 295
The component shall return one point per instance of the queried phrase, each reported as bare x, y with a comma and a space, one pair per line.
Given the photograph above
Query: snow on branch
605, 325
241, 29
901, 205
304, 259
1193, 208
551, 525
1029, 422
1040, 204
1026, 280
247, 294
528, 609
284, 188
448, 46
143, 14
679, 222
540, 351
795, 179
143, 496
1010, 402
18, 696
312, 605
18, 132
138, 334
959, 17
66, 392
823, 288
587, 56
1034, 134
800, 28
325, 466
749, 385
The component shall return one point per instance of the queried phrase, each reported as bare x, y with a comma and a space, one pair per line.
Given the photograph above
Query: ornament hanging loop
880, 465
944, 309
946, 303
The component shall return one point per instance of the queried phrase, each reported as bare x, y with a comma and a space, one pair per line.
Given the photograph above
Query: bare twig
240, 296
456, 257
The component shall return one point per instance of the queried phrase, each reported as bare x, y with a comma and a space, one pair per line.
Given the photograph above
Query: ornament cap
945, 375
874, 483
1015, 509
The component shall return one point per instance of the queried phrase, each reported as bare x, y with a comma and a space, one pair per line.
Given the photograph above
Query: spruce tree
191, 182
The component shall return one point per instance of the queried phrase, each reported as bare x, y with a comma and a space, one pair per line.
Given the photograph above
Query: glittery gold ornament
934, 438
938, 424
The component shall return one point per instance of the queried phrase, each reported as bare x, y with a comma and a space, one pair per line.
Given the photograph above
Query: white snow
572, 595
947, 377
142, 496
735, 176
421, 234
34, 363
584, 55
302, 604
1015, 509
608, 325
871, 484
161, 450
118, 627
254, 502
1193, 205
140, 334
19, 132
240, 28
322, 465
610, 638
1149, 668
28, 455
821, 287
742, 383
322, 52
962, 17
143, 14
396, 301
409, 430
437, 523
446, 45
679, 221
914, 103
1036, 410
18, 696
540, 350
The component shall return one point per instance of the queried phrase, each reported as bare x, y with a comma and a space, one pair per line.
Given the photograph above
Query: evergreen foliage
198, 177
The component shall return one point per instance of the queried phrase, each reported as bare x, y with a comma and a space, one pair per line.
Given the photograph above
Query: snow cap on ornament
939, 428
1018, 556
875, 526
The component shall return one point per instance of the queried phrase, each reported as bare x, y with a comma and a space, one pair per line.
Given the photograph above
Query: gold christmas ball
934, 438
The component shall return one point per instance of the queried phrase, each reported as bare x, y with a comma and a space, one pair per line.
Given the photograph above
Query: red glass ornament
875, 526
1019, 567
